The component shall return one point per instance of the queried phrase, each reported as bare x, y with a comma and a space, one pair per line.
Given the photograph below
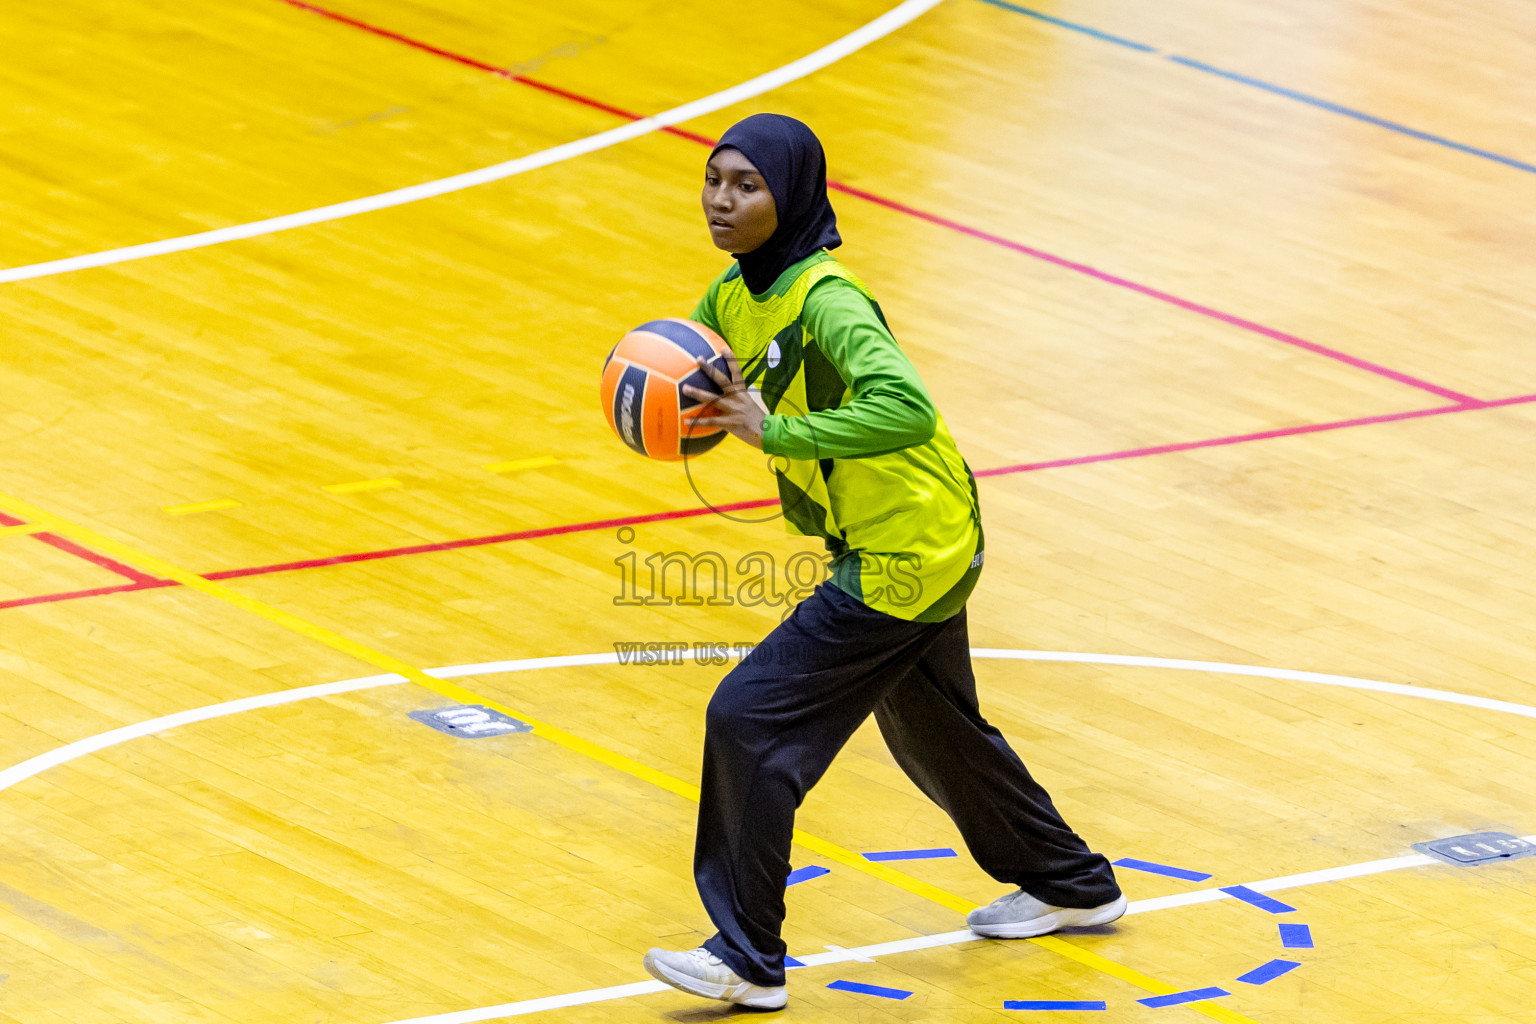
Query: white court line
859, 38
1448, 696
91, 744
80, 748
864, 953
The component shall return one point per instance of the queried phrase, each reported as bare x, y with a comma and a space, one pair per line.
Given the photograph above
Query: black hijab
788, 155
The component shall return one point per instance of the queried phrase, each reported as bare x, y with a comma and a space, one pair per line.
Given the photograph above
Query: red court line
1161, 296
479, 65
1260, 435
497, 538
932, 218
70, 547
155, 583
74, 595
151, 583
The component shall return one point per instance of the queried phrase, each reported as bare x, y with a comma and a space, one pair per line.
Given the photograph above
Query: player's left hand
736, 409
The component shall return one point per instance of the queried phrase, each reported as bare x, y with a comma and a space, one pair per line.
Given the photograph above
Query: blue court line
790, 961
805, 874
911, 854
1192, 996
1257, 899
1054, 1004
1295, 936
1278, 90
1268, 972
1074, 26
1162, 869
869, 990
1358, 115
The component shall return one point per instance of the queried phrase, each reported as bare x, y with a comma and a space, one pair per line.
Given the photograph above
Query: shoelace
704, 958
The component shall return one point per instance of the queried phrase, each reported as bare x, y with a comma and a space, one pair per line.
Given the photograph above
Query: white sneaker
702, 973
1019, 915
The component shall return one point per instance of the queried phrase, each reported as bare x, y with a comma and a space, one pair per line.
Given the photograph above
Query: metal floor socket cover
470, 721
1477, 848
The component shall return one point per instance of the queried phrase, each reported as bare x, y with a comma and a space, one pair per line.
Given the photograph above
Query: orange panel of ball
642, 388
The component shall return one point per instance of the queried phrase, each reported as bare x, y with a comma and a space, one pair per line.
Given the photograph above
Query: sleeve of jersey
890, 409
704, 312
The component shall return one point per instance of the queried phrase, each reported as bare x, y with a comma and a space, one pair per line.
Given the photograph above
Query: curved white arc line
101, 741
859, 953
859, 38
36, 765
1447, 696
91, 744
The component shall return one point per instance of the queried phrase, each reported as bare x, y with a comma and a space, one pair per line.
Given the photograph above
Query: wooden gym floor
1230, 305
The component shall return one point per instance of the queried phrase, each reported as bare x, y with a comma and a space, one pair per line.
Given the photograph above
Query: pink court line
151, 583
154, 583
912, 211
1260, 435
1158, 294
70, 547
478, 65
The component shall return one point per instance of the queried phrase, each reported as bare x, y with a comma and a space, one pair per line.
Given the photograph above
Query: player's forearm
885, 417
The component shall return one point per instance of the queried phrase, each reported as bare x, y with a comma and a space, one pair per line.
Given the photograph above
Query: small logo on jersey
774, 355
980, 557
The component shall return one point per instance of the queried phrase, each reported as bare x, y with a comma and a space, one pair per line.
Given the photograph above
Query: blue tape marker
1162, 869
1054, 1004
1278, 90
1268, 972
910, 854
790, 961
1192, 996
1257, 899
1074, 26
1358, 115
1295, 936
869, 990
805, 874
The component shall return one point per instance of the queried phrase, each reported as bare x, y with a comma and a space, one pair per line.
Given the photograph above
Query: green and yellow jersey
863, 459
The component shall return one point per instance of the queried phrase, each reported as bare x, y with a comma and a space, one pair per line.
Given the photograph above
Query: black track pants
777, 720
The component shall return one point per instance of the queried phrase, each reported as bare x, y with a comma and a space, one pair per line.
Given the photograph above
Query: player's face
737, 203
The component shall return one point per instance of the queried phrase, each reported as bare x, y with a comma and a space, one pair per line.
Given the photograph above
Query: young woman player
865, 462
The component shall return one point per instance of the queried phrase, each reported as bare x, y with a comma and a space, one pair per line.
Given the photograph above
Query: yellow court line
357, 486
23, 529
570, 741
